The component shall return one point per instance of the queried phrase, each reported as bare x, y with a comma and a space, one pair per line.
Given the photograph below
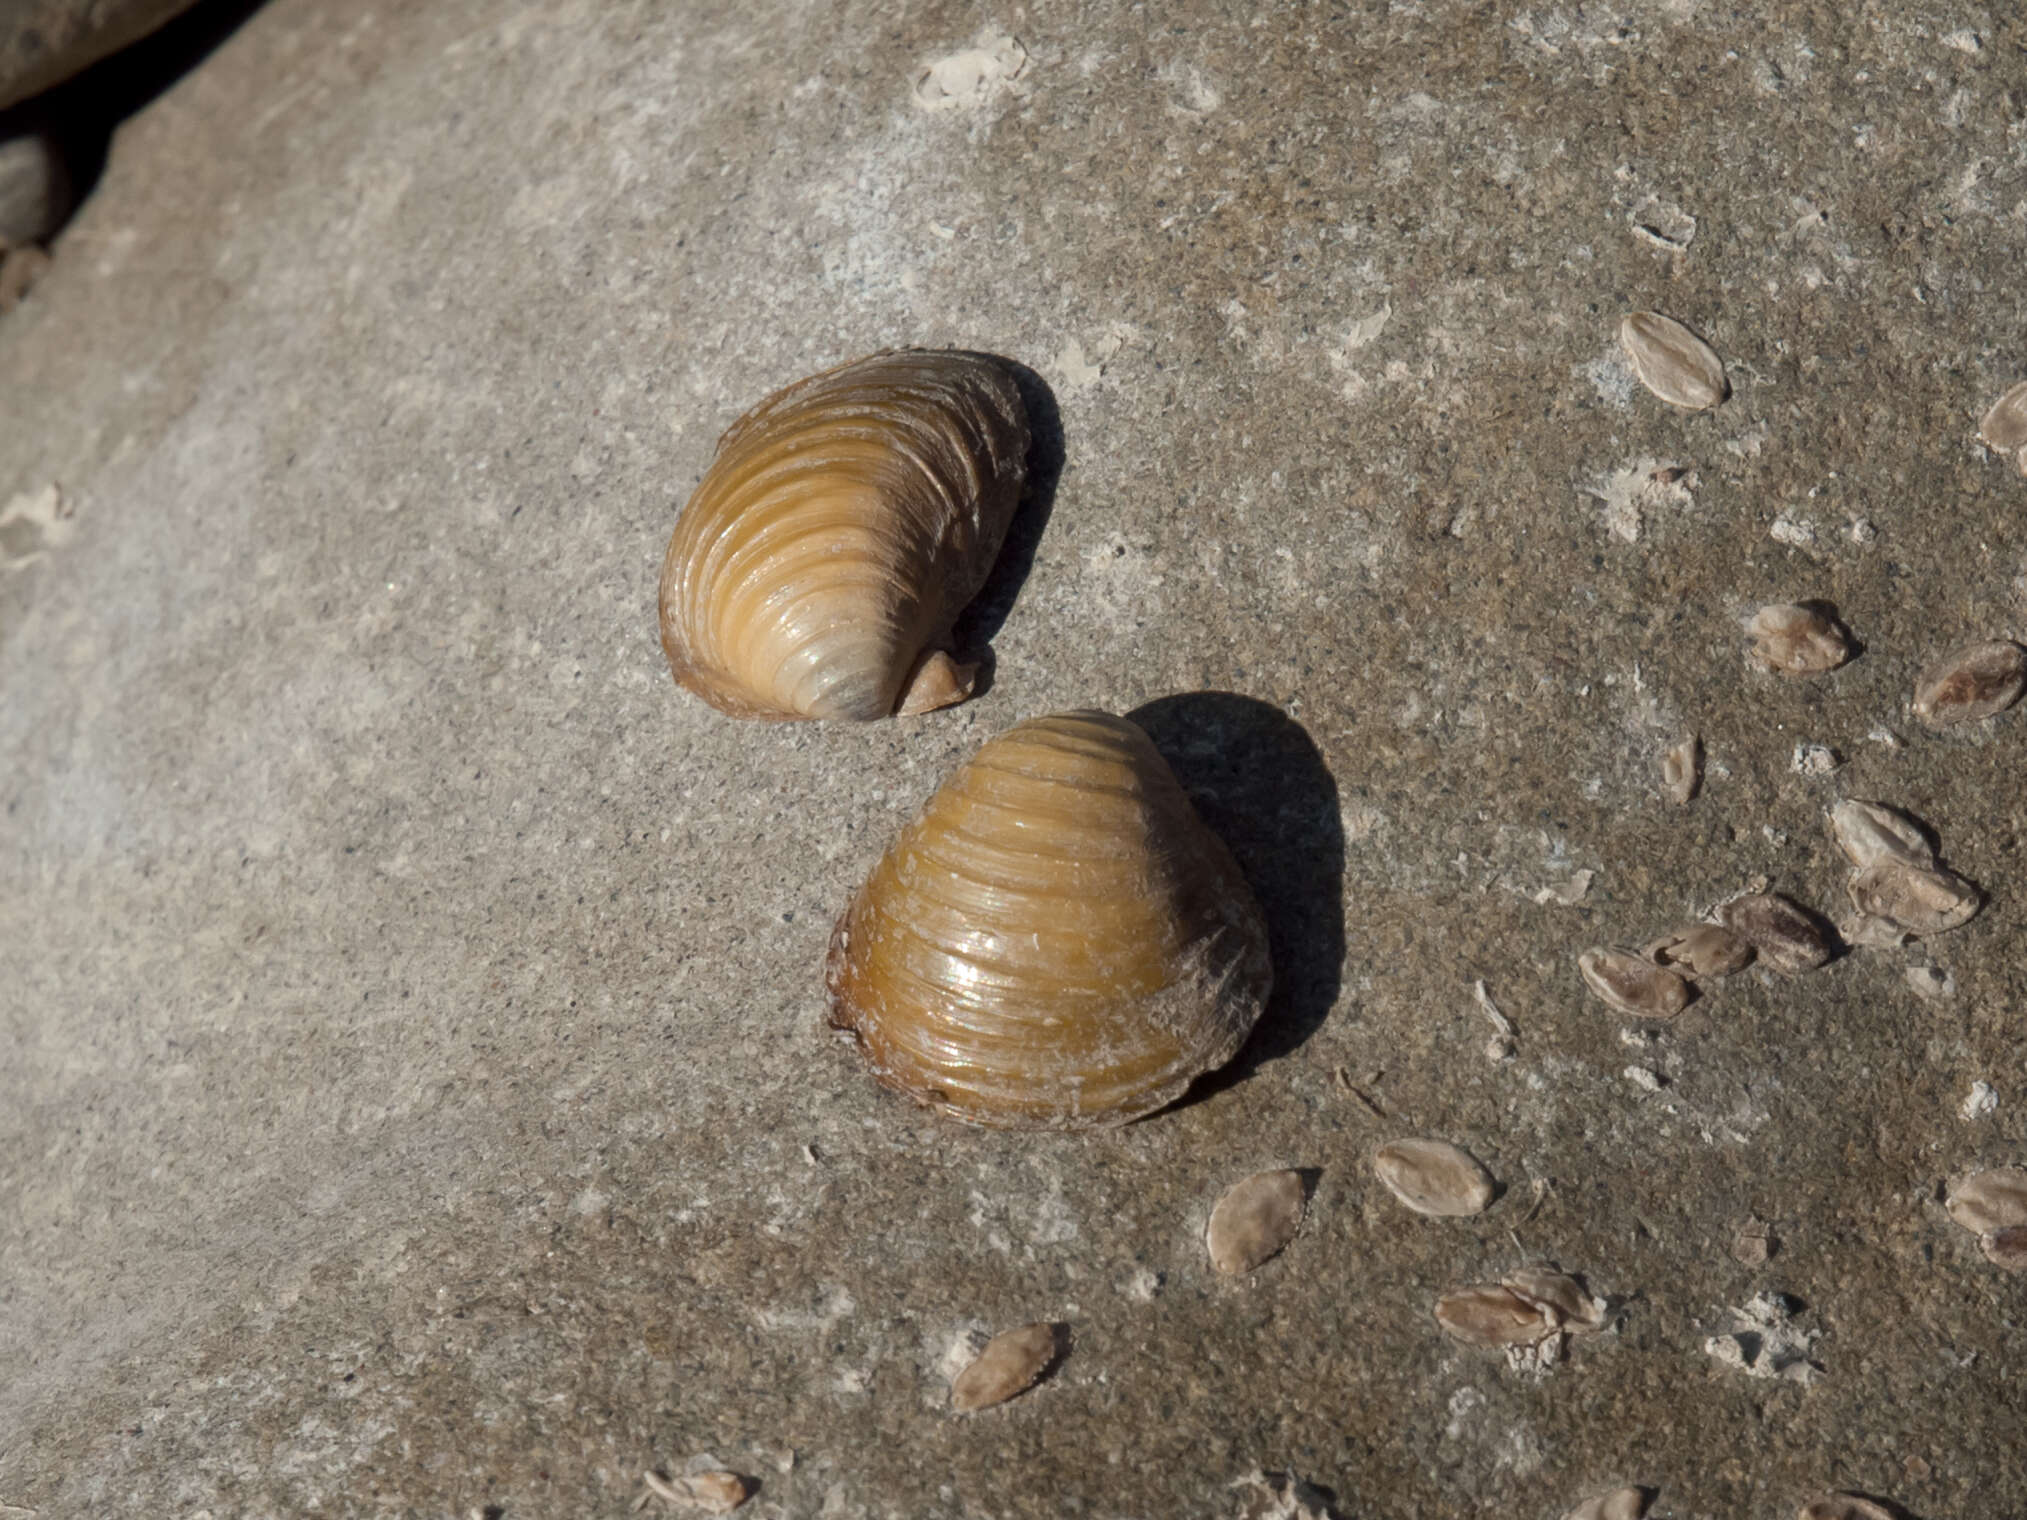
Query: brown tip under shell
1056, 942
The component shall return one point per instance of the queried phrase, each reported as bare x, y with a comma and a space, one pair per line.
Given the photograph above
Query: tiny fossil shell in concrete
2007, 1248
1786, 935
2005, 425
712, 1490
1491, 1314
1977, 681
1558, 1295
1921, 900
1796, 640
1932, 983
1701, 950
1869, 831
1434, 1177
1844, 1507
1672, 362
1522, 1309
1619, 1504
1009, 1364
1751, 1244
1682, 770
1995, 1199
1635, 987
1254, 1220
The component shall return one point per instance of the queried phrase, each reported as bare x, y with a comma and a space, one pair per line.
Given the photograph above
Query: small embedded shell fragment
1701, 950
1010, 1363
1844, 1507
1968, 684
1796, 639
1870, 831
2006, 1249
1559, 1295
1619, 1504
1682, 770
2005, 425
1523, 1308
1991, 1200
1672, 362
1786, 936
1056, 942
1435, 1177
1254, 1220
839, 531
1633, 986
714, 1491
1493, 1315
1917, 900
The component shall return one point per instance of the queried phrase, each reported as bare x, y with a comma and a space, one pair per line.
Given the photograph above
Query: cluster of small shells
1658, 982
1899, 890
1524, 1308
1057, 941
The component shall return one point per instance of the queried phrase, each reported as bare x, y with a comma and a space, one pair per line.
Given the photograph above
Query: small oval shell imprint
1917, 900
1435, 1177
1682, 770
1701, 950
1975, 682
1787, 937
1672, 362
1845, 1507
2005, 425
1253, 1220
1493, 1315
1797, 639
1633, 986
1870, 831
1619, 1504
2006, 1249
839, 531
1056, 942
1994, 1199
1011, 1363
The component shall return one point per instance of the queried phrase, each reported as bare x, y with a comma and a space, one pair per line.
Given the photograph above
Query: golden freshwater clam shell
841, 528
1056, 942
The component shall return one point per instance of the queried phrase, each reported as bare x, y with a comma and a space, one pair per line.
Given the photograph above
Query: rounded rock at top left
843, 525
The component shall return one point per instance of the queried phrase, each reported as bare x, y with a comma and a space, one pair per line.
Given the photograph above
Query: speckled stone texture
416, 1096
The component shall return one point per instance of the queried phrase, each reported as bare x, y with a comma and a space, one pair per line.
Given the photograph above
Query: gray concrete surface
416, 1096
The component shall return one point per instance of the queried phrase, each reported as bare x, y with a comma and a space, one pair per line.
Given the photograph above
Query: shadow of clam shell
1259, 781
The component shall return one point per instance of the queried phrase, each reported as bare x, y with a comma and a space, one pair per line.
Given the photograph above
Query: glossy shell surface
839, 531
1056, 942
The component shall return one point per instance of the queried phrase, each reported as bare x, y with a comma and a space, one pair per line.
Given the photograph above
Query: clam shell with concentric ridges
843, 525
1056, 942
